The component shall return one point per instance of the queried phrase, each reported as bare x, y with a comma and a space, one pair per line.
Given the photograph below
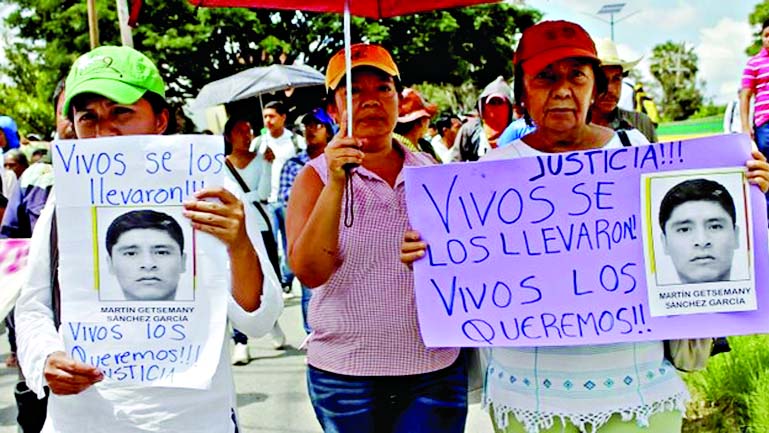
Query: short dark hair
277, 106
40, 152
765, 24
143, 219
601, 86
56, 93
696, 190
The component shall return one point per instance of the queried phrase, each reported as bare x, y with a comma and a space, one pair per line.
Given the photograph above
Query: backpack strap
295, 140
54, 261
624, 138
246, 189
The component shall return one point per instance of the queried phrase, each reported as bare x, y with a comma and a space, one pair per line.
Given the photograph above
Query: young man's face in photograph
700, 237
147, 263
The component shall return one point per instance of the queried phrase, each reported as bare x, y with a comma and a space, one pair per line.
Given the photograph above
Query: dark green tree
193, 46
674, 65
757, 17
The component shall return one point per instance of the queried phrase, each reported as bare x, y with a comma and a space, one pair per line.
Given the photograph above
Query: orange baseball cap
550, 41
372, 55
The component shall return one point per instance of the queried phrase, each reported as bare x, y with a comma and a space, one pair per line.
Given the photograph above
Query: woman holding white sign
114, 91
614, 388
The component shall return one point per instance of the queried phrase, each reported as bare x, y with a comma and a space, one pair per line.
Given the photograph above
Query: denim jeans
762, 141
278, 214
306, 296
433, 402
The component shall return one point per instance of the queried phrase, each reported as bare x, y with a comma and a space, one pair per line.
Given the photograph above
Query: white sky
718, 29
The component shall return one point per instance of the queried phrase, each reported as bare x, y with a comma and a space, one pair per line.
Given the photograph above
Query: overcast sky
718, 29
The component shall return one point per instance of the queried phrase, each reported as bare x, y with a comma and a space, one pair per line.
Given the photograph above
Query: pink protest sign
13, 266
13, 256
642, 243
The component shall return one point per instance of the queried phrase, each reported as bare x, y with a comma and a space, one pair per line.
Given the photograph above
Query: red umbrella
364, 8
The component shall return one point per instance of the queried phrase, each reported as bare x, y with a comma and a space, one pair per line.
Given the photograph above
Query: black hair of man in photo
146, 254
699, 230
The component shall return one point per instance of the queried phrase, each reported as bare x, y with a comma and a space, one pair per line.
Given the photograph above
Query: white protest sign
144, 296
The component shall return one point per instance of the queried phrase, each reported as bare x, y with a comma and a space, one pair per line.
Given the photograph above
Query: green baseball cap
120, 74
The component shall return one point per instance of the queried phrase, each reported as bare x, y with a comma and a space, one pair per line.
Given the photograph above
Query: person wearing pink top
755, 84
369, 370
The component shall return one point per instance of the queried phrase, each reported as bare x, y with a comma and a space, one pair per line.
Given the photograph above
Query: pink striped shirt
756, 78
364, 319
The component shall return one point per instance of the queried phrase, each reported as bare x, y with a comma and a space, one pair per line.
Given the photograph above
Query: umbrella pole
348, 66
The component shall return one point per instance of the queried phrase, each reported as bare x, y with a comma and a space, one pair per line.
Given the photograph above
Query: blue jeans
433, 402
278, 214
306, 296
762, 141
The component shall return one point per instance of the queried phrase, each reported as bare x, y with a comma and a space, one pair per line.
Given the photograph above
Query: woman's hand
340, 151
225, 218
65, 376
412, 248
758, 170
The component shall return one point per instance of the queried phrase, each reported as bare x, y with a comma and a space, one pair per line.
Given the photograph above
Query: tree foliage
757, 17
674, 66
194, 46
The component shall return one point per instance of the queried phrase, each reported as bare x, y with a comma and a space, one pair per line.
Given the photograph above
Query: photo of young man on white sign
697, 242
144, 255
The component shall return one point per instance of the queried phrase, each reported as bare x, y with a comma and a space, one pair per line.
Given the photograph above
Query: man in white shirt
284, 144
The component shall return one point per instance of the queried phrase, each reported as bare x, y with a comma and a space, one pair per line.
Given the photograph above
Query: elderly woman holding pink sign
558, 77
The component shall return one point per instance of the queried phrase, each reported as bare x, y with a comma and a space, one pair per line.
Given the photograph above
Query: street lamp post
612, 9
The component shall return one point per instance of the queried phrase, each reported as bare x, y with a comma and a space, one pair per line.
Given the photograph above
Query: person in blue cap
9, 134
319, 129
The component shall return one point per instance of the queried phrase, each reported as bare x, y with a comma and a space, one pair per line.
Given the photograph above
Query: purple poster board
549, 251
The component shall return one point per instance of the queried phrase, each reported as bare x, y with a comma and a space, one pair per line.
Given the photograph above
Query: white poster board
144, 296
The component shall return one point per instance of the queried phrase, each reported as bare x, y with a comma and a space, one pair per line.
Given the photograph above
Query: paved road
272, 396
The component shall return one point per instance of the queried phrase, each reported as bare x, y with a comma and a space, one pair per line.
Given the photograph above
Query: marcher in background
9, 134
253, 174
448, 127
645, 104
282, 144
558, 76
368, 369
16, 162
479, 135
414, 114
319, 129
605, 111
113, 91
755, 85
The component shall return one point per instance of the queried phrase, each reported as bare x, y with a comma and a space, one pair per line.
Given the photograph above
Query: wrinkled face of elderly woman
559, 96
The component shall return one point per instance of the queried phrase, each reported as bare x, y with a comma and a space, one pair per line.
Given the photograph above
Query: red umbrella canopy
363, 8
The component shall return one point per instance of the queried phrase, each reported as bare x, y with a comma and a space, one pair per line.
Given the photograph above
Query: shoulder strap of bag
624, 138
54, 261
295, 140
245, 188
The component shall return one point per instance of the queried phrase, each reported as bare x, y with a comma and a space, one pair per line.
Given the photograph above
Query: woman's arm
314, 209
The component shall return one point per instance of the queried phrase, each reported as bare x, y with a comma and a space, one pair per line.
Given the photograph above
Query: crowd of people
368, 369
